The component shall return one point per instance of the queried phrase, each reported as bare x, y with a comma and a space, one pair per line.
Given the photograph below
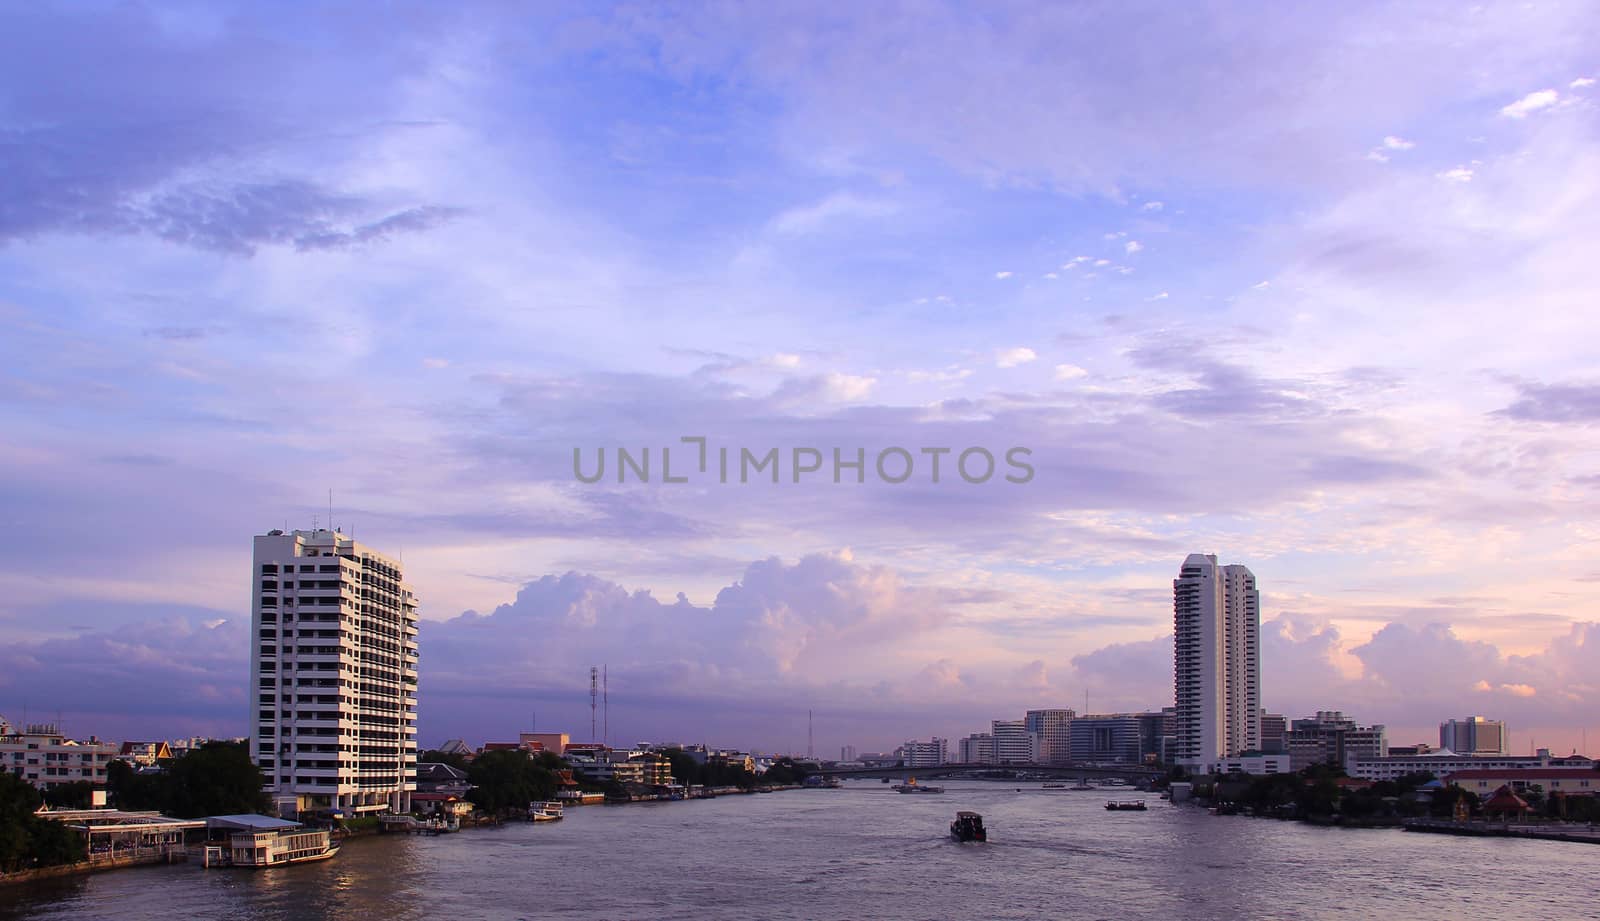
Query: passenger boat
911, 786
968, 826
545, 812
1132, 805
262, 841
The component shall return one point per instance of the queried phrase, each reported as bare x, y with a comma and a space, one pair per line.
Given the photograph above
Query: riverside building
333, 669
1216, 612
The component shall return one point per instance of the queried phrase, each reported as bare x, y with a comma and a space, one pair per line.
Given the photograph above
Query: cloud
1393, 142
1570, 402
1581, 83
1459, 174
1533, 102
1153, 206
1070, 372
1002, 275
1132, 246
837, 207
1011, 358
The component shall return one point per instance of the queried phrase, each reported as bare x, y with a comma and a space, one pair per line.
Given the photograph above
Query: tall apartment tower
333, 674
1216, 615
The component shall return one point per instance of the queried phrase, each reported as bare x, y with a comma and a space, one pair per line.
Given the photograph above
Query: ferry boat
549, 811
1133, 805
911, 786
262, 841
968, 826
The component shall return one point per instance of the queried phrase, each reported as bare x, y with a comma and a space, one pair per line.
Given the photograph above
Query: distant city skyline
1309, 289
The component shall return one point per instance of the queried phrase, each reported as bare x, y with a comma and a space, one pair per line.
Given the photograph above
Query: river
865, 852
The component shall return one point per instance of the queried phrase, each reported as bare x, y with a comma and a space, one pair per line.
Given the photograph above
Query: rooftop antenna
810, 749
594, 694
605, 704
330, 508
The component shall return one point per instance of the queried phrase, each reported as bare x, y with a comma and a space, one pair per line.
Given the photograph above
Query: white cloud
1116, 234
1133, 246
784, 360
1002, 275
811, 218
1581, 83
1394, 142
436, 362
1070, 372
1377, 156
1160, 297
1261, 284
1051, 275
1533, 102
1100, 262
848, 387
1153, 206
1010, 358
1459, 174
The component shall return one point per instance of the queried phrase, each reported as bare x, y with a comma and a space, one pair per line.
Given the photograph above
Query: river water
865, 852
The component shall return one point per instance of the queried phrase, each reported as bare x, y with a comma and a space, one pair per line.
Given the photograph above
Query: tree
217, 779
505, 781
77, 794
27, 840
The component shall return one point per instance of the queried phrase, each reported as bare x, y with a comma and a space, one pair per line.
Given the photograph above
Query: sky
1309, 287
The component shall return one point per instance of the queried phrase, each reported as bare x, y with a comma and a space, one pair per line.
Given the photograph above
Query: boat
1130, 805
1055, 786
911, 786
968, 826
263, 841
1082, 785
549, 811
886, 780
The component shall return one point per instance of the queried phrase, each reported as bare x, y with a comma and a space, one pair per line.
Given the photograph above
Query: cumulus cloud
1011, 358
1459, 174
1531, 103
1393, 142
1070, 372
1002, 275
1581, 83
1132, 246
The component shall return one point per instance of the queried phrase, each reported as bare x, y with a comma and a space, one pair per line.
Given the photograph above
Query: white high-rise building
1052, 735
1216, 613
1012, 743
931, 753
333, 667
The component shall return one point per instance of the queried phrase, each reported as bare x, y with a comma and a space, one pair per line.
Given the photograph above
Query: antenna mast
605, 704
810, 749
594, 694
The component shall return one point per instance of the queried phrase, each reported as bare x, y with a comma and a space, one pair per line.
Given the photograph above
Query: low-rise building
1439, 764
1485, 781
434, 777
1255, 764
145, 753
44, 757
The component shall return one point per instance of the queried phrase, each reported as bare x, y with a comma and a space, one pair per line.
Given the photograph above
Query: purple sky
1311, 289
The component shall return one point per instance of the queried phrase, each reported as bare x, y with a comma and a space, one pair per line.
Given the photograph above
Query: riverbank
1542, 831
